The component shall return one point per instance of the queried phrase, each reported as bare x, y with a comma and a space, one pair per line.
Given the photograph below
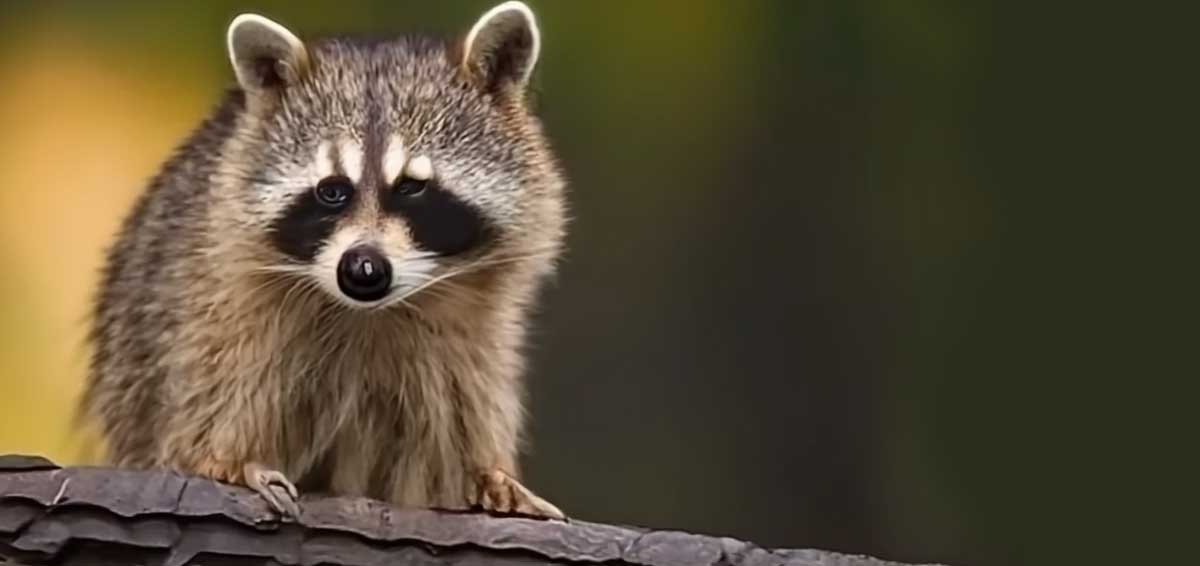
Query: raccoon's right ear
502, 47
265, 54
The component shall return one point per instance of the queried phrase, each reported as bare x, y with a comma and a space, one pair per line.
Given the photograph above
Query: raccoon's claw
499, 492
273, 486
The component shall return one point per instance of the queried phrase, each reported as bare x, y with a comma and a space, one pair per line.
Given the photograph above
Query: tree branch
52, 515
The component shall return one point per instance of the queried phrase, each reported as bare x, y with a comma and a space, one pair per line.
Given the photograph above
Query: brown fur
205, 361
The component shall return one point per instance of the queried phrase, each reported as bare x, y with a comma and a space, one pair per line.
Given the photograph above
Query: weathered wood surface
52, 515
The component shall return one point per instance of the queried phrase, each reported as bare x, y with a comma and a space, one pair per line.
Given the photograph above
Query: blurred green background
898, 278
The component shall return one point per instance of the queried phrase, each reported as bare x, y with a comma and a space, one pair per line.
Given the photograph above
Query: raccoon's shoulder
184, 175
200, 152
167, 214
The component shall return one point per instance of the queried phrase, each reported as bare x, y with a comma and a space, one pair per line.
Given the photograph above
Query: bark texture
53, 515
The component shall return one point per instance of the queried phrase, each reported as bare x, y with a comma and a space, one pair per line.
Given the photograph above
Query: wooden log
87, 515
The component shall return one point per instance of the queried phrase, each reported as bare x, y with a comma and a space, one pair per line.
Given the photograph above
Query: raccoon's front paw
499, 492
273, 486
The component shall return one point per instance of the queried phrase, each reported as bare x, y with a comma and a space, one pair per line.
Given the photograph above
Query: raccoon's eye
409, 187
334, 192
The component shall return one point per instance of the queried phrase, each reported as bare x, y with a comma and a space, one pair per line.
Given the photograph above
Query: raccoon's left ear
265, 54
503, 46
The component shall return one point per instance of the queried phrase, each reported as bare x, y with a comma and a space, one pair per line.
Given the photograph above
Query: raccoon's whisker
502, 260
448, 289
282, 305
428, 283
441, 293
329, 316
435, 292
420, 255
299, 285
510, 259
476, 267
412, 306
405, 274
305, 286
276, 279
278, 274
453, 289
282, 268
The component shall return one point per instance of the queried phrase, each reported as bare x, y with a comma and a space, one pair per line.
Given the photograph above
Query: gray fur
206, 360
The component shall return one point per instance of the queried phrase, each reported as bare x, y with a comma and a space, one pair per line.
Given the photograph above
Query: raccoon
327, 287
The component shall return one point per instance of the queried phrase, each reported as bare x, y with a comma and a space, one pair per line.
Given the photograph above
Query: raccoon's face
382, 168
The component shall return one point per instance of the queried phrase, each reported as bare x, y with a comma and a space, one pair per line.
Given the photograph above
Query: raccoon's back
143, 283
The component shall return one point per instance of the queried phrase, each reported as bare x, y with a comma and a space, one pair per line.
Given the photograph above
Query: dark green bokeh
863, 276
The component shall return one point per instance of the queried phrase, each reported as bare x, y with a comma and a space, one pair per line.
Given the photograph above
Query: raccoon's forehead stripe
350, 154
394, 159
324, 160
345, 157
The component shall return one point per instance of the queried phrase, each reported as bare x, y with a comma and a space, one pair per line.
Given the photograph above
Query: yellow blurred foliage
84, 130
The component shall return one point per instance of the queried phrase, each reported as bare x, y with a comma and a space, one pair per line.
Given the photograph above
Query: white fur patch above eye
351, 154
324, 160
419, 168
394, 159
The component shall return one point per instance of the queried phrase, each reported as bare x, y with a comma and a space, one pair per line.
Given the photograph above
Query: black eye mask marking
308, 223
440, 222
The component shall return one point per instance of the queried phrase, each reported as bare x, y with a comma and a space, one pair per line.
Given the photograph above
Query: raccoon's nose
364, 274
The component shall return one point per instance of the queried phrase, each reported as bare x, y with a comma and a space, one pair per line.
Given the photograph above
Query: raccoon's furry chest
388, 405
399, 405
